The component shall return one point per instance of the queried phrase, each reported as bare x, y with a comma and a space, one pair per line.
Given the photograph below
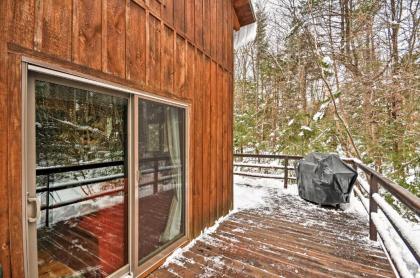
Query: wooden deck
289, 237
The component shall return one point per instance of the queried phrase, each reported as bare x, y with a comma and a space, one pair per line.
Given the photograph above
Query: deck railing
285, 166
367, 190
369, 187
51, 187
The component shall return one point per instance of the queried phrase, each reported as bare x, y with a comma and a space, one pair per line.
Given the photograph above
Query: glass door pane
161, 202
81, 181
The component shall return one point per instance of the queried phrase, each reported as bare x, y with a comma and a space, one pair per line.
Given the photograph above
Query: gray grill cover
325, 179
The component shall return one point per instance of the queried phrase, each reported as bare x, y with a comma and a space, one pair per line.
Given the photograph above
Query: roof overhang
244, 12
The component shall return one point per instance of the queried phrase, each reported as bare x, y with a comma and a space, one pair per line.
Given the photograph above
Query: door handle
38, 209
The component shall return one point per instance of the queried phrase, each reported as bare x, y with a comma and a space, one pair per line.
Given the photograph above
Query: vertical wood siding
181, 69
176, 48
136, 44
206, 143
14, 157
179, 11
4, 152
167, 68
213, 141
87, 35
154, 50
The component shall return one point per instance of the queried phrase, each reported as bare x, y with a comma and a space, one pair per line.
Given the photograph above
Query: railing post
258, 162
155, 177
286, 171
354, 164
47, 209
373, 206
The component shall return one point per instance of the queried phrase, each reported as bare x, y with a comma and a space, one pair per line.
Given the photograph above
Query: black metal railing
51, 187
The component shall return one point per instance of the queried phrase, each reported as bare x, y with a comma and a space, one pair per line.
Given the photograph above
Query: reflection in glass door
80, 182
161, 189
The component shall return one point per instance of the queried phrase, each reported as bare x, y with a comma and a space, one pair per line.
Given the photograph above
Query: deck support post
373, 207
286, 172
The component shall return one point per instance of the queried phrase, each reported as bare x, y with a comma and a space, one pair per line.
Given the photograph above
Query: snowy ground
252, 193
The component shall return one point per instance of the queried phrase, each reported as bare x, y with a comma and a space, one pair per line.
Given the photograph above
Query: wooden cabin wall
181, 49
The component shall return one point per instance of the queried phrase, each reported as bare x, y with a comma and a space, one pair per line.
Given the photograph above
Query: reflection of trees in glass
75, 126
152, 129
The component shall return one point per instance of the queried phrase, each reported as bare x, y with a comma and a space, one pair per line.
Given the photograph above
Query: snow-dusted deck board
287, 237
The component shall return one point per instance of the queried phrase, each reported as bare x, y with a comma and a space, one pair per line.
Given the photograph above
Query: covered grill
325, 179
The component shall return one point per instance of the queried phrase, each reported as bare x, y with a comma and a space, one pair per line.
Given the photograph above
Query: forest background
337, 76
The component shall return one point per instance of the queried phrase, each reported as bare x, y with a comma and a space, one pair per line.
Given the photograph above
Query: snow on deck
272, 233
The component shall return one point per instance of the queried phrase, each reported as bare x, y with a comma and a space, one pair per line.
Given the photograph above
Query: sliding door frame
150, 264
32, 67
29, 137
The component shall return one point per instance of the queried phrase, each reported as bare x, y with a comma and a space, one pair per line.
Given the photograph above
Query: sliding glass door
161, 190
80, 180
104, 179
